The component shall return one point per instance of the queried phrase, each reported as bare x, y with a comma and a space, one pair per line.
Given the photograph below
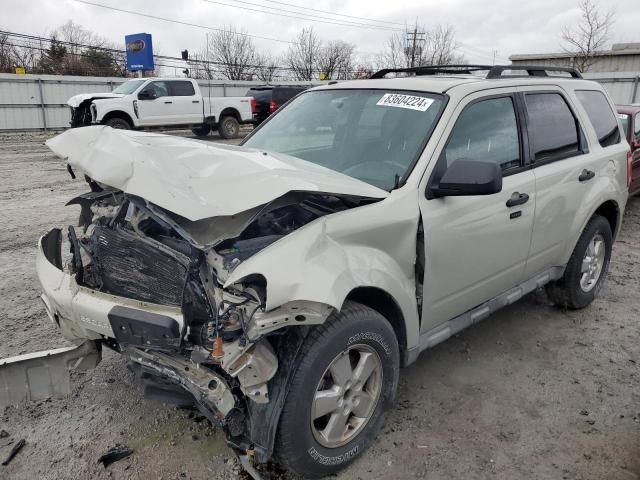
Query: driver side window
160, 88
486, 131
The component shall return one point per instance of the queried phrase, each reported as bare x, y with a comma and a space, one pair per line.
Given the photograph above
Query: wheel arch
118, 114
230, 111
382, 302
611, 212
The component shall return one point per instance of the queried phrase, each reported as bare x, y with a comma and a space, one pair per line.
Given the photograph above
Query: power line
332, 13
179, 22
296, 15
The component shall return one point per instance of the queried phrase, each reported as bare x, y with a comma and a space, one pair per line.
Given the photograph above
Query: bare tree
302, 56
335, 60
233, 53
421, 47
588, 37
266, 68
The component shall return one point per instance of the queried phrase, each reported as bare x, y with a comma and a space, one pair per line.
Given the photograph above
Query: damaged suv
280, 285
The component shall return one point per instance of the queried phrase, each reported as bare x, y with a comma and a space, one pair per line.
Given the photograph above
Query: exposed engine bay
227, 353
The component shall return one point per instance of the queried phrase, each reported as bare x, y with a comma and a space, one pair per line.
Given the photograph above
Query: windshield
371, 135
625, 121
128, 87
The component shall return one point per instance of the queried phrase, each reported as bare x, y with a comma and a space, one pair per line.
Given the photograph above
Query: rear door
476, 246
568, 170
186, 106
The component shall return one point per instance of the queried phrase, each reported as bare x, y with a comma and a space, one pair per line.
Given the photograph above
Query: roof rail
494, 71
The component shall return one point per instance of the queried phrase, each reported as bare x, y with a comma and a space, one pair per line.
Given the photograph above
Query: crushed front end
140, 280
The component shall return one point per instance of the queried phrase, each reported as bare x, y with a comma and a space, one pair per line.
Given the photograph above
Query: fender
328, 258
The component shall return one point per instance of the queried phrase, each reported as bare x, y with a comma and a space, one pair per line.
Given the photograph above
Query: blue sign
139, 52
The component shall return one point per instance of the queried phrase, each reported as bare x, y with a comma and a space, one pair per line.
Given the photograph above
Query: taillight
253, 105
629, 168
273, 106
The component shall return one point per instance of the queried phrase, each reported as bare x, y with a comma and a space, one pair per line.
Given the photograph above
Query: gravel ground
532, 392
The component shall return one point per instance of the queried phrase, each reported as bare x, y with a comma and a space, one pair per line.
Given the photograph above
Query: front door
476, 247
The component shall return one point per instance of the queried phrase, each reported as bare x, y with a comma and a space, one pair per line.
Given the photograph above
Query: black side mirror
147, 94
467, 177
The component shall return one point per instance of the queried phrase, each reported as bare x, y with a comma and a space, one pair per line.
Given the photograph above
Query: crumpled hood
78, 99
193, 179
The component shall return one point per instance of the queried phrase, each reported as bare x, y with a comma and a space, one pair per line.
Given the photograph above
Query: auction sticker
405, 101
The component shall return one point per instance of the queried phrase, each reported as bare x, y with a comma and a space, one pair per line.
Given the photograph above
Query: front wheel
345, 383
119, 123
587, 267
229, 127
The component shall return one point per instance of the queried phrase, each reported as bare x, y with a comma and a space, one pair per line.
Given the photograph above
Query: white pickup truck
162, 102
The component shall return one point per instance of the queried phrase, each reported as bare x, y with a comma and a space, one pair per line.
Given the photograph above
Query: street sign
20, 71
139, 52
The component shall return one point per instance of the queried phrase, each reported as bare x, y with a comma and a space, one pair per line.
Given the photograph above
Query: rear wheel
202, 130
338, 398
587, 267
229, 127
118, 122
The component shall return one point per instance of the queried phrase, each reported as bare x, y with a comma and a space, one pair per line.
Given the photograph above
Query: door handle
517, 199
195, 101
586, 175
168, 102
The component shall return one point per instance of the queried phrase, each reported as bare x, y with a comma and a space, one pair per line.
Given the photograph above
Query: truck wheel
229, 127
118, 122
345, 383
202, 130
587, 267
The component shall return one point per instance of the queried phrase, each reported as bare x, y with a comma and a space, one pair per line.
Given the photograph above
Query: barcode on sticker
405, 101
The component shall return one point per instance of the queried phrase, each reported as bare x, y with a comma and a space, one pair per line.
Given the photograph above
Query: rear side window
181, 89
601, 115
636, 129
486, 131
553, 130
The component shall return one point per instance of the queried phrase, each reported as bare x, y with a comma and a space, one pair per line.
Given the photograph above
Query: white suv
279, 286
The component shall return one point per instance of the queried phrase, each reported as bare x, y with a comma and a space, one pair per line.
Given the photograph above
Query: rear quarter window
601, 116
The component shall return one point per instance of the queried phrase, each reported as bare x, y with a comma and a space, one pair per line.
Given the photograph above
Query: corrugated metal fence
39, 102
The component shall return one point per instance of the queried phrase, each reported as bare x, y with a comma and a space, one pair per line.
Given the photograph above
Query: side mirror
147, 94
467, 177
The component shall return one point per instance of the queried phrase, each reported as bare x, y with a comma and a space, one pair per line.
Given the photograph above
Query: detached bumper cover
40, 375
81, 313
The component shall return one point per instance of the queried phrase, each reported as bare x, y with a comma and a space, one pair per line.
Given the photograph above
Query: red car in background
629, 116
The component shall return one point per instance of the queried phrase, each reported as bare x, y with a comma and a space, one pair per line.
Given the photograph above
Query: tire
229, 127
202, 130
119, 123
357, 335
569, 291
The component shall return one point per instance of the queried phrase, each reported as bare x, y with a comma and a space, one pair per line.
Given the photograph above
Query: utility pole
415, 40
495, 54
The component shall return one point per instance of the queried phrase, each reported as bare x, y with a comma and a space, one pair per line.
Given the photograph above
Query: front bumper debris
41, 375
82, 313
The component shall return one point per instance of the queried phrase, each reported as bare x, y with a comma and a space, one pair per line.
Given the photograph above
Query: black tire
202, 130
567, 292
119, 123
229, 127
356, 326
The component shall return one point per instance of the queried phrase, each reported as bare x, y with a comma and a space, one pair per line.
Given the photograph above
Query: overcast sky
482, 26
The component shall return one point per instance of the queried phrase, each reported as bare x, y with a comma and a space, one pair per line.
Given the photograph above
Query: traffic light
185, 54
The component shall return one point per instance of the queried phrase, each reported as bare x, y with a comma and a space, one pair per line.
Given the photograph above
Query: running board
447, 329
42, 375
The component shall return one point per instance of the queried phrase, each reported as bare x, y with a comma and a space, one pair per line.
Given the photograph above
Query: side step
41, 375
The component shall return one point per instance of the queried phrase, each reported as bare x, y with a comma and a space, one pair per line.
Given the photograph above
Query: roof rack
494, 71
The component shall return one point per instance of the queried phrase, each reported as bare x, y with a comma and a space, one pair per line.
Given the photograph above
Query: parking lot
532, 392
